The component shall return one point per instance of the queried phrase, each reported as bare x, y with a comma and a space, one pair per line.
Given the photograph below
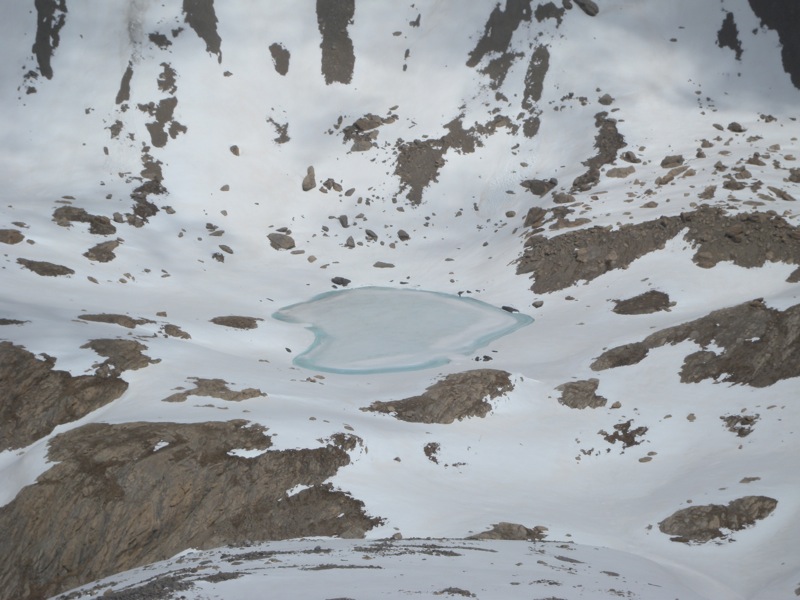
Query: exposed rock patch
608, 142
202, 18
746, 239
34, 397
699, 524
588, 6
581, 394
760, 346
280, 58
124, 92
214, 388
281, 241
512, 531
782, 17
741, 425
103, 252
499, 29
175, 331
44, 268
123, 320
98, 224
728, 36
121, 355
51, 15
559, 262
646, 303
11, 236
119, 495
624, 433
457, 396
338, 56
237, 322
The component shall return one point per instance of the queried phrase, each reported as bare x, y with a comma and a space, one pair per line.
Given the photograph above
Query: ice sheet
379, 329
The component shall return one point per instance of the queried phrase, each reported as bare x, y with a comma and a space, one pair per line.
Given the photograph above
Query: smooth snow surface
379, 330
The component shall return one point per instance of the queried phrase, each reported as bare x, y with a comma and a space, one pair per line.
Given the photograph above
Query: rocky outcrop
698, 524
512, 531
35, 398
581, 394
44, 268
746, 239
646, 303
457, 396
123, 320
760, 346
214, 388
119, 496
237, 322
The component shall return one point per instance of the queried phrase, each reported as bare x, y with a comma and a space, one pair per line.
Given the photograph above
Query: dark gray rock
281, 241
581, 394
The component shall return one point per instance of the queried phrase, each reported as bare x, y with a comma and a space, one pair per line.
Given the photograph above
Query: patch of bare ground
237, 322
171, 330
98, 224
45, 269
118, 497
699, 524
12, 322
11, 236
123, 320
581, 394
746, 239
760, 346
35, 398
512, 531
456, 397
121, 355
643, 304
214, 388
103, 252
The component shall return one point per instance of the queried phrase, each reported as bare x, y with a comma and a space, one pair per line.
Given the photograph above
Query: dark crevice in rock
338, 56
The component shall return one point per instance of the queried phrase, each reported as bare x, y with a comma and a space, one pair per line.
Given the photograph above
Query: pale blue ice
378, 330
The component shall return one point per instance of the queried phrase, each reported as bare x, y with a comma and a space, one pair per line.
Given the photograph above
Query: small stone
383, 265
342, 281
309, 181
669, 162
281, 241
736, 127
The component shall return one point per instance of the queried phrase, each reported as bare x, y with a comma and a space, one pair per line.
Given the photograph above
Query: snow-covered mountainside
623, 173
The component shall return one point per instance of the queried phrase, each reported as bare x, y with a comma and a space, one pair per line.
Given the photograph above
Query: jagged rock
581, 394
646, 303
118, 496
402, 235
45, 269
535, 217
736, 127
457, 396
342, 281
310, 180
99, 225
237, 322
700, 524
759, 346
281, 241
512, 531
34, 397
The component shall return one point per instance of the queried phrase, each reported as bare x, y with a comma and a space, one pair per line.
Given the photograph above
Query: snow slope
188, 130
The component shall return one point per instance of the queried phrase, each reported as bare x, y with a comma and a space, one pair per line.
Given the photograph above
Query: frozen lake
377, 329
